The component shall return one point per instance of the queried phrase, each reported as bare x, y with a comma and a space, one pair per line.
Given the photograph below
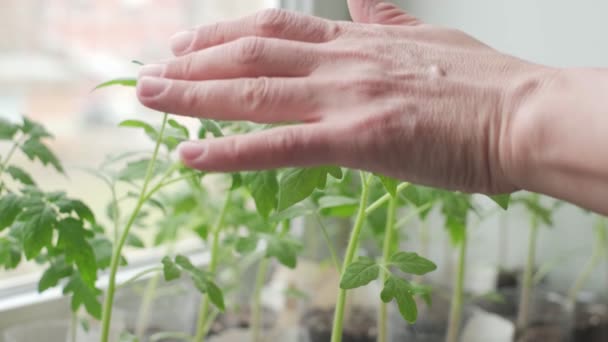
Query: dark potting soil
241, 320
591, 323
507, 279
542, 332
361, 327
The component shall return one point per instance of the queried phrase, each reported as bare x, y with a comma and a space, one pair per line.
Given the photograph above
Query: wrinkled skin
386, 93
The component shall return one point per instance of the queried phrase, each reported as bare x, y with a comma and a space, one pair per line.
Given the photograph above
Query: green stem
384, 199
458, 294
595, 259
204, 308
144, 309
256, 305
139, 275
386, 254
351, 249
116, 255
4, 164
526, 291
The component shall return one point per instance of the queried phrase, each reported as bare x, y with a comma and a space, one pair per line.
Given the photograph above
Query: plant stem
116, 255
351, 249
139, 275
143, 314
173, 336
4, 164
256, 305
382, 200
526, 291
458, 294
215, 244
386, 254
595, 259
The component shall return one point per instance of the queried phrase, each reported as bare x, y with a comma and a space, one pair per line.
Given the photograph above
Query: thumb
379, 12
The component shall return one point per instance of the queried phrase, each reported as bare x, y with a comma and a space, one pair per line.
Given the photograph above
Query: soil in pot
591, 324
241, 320
360, 327
550, 318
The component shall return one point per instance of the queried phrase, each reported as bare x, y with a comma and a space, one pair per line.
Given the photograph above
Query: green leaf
335, 172
134, 241
424, 292
102, 248
137, 170
36, 223
51, 277
68, 206
412, 263
10, 207
284, 249
125, 82
389, 184
215, 295
202, 281
455, 209
7, 129
401, 291
237, 181
72, 240
82, 294
340, 206
246, 245
170, 269
502, 200
148, 129
34, 129
264, 189
181, 129
34, 149
359, 273
127, 337
202, 230
10, 254
297, 184
291, 213
20, 175
212, 127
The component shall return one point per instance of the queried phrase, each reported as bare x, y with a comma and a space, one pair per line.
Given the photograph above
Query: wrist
525, 120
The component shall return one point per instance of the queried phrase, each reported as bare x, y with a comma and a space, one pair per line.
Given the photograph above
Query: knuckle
249, 50
255, 94
271, 21
183, 67
214, 34
370, 87
191, 98
286, 143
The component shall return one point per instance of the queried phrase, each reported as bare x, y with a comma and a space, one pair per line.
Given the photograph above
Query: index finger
270, 23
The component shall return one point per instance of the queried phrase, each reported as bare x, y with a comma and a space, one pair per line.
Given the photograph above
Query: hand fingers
291, 146
271, 23
379, 12
246, 57
266, 100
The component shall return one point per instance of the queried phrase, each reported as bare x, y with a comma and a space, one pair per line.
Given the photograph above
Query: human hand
387, 94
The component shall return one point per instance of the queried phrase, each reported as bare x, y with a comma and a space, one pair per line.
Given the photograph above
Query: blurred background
53, 52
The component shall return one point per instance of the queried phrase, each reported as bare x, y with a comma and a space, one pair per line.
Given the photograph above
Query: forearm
568, 138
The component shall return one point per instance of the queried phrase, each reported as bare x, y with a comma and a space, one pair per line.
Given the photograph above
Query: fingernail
153, 70
181, 41
191, 150
151, 86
